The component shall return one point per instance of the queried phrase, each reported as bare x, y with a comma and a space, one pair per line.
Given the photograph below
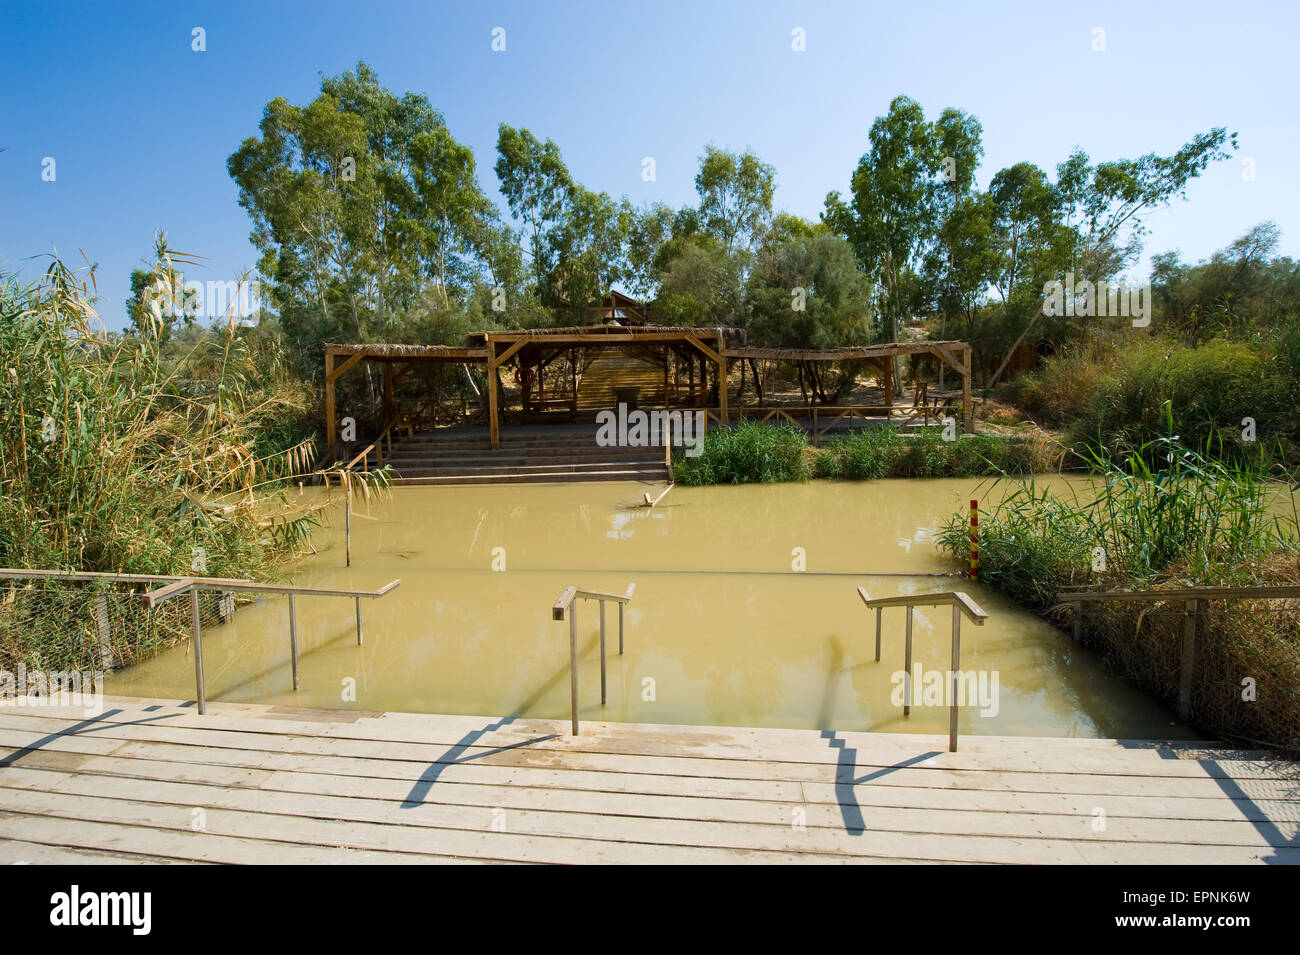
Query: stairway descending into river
544, 454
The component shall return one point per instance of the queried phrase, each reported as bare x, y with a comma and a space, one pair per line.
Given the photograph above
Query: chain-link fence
87, 623
55, 624
1228, 666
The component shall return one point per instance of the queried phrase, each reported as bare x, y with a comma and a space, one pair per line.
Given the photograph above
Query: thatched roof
843, 354
582, 333
392, 352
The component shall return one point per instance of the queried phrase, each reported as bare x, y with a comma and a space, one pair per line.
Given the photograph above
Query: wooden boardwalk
151, 781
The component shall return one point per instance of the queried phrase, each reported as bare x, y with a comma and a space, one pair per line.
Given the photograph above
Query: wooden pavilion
532, 351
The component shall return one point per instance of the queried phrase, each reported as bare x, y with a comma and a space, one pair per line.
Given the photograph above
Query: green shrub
747, 453
1117, 399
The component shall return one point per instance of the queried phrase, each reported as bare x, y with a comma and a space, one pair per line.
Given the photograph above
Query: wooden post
493, 428
104, 633
668, 455
1188, 657
722, 387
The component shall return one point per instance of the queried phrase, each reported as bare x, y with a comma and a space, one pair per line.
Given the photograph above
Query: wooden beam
509, 353
709, 352
333, 376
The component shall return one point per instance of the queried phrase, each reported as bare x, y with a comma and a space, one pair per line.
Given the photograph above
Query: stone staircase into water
543, 454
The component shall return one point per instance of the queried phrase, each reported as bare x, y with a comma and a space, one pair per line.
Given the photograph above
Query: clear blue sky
140, 126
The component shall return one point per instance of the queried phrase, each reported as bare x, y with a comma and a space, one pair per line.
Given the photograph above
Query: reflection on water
722, 630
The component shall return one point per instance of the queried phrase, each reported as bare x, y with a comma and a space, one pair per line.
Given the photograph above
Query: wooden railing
565, 604
376, 446
961, 603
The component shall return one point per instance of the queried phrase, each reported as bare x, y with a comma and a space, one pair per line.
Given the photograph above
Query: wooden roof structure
717, 346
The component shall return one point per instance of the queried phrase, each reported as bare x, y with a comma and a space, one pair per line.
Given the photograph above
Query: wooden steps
617, 369
536, 455
278, 784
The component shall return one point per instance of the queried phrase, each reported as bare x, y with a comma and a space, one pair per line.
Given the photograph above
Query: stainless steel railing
961, 604
173, 586
192, 586
566, 605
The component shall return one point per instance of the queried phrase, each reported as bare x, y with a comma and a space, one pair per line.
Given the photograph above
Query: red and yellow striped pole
974, 540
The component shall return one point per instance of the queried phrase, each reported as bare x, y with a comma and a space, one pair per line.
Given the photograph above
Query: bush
747, 453
766, 453
1118, 400
884, 452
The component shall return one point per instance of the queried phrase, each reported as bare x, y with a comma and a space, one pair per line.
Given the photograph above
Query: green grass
1190, 517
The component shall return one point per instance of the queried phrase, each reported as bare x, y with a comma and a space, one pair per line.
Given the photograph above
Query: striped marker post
974, 540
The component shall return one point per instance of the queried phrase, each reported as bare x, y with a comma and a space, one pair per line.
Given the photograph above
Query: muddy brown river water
723, 629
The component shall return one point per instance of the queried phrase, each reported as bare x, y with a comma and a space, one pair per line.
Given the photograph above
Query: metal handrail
566, 603
961, 603
192, 586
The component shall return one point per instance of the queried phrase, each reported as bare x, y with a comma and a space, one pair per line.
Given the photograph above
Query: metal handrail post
358, 621
573, 666
956, 676
602, 653
293, 640
907, 667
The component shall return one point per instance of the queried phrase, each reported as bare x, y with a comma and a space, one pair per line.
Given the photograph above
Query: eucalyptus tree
358, 200
1100, 208
892, 214
538, 188
735, 191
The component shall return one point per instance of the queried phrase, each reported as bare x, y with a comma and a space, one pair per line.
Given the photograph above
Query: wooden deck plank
512, 771
717, 823
794, 765
311, 786
561, 777
704, 799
